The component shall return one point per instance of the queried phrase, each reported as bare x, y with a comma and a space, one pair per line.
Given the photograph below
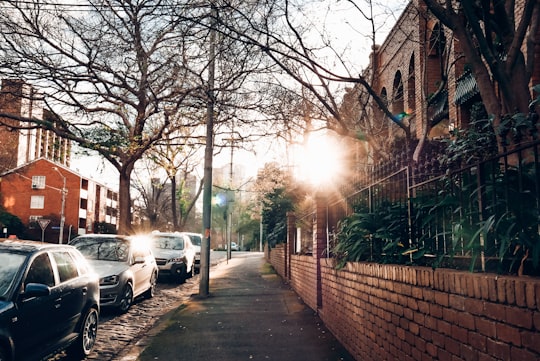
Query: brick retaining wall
392, 312
304, 279
277, 259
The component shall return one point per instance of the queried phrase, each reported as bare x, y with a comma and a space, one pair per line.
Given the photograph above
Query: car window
81, 263
40, 271
195, 239
103, 249
67, 268
169, 242
10, 263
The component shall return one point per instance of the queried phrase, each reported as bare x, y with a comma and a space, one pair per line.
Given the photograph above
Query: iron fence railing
484, 216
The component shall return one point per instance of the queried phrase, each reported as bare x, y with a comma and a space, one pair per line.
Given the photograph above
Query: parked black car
49, 301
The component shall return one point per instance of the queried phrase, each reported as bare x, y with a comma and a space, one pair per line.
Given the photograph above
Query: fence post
320, 240
291, 240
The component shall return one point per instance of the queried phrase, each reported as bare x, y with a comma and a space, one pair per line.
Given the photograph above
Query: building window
37, 202
38, 182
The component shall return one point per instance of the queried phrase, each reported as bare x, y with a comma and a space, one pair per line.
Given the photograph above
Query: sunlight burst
320, 162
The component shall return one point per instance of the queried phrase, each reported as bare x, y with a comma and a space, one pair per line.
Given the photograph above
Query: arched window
411, 95
384, 96
397, 92
437, 40
411, 87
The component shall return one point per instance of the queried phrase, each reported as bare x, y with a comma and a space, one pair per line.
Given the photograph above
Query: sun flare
320, 161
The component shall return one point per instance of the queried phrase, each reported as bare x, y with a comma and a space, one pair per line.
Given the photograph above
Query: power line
80, 6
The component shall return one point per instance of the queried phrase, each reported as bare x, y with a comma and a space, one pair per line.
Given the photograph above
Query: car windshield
103, 249
168, 242
10, 263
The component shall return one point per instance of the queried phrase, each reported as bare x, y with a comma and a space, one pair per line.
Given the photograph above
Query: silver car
175, 254
126, 267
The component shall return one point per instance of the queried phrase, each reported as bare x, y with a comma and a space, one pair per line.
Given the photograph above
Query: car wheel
126, 298
180, 273
150, 292
87, 336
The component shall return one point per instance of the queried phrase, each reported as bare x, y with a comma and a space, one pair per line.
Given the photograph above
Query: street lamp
62, 215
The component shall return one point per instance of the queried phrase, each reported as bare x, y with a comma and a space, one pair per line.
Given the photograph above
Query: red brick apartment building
37, 190
34, 163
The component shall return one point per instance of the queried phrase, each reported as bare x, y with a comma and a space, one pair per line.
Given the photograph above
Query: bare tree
151, 202
177, 155
114, 73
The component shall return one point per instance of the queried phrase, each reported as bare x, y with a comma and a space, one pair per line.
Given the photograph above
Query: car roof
23, 246
102, 235
168, 234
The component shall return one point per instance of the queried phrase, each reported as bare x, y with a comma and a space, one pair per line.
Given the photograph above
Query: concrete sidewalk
250, 314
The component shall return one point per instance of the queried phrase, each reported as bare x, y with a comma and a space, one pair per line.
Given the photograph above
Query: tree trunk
124, 201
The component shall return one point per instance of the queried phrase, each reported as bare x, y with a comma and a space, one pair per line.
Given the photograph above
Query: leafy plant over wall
473, 144
379, 236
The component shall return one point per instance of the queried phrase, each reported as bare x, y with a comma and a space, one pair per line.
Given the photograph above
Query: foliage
276, 204
277, 194
486, 211
473, 144
13, 224
512, 225
380, 236
250, 228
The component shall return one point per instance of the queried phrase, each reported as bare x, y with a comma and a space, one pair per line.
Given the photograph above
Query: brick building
19, 145
36, 190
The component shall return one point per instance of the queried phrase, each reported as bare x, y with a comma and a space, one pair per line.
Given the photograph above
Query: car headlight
176, 260
109, 280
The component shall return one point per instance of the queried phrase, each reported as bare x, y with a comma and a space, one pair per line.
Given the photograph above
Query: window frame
39, 181
37, 202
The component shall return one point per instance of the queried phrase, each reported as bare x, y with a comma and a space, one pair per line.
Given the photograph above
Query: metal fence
484, 216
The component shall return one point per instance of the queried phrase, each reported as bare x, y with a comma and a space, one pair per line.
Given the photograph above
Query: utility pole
230, 200
208, 160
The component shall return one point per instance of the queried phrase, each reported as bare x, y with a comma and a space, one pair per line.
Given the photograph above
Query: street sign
43, 223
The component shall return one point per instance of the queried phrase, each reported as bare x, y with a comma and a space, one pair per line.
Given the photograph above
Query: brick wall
277, 259
391, 312
304, 279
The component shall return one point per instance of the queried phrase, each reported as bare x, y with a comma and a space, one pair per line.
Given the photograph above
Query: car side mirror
36, 290
138, 260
